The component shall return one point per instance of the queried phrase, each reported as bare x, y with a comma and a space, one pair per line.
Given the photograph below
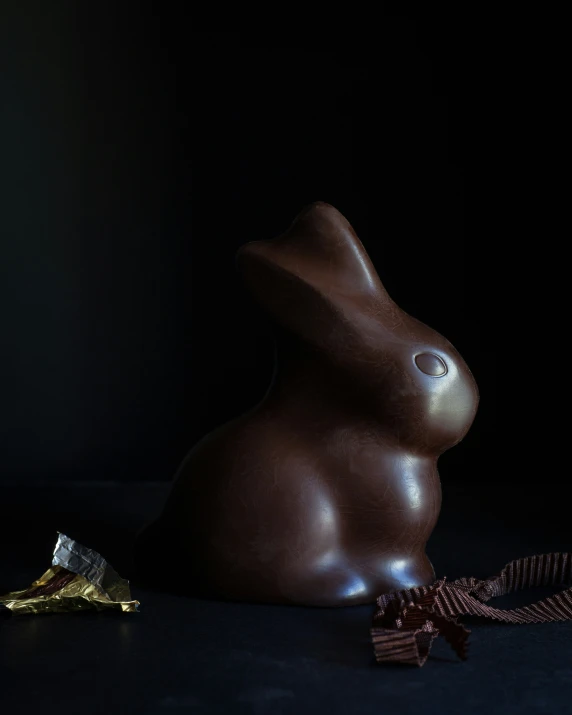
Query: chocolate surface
326, 492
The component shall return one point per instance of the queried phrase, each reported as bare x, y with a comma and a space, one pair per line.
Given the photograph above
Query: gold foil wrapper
79, 579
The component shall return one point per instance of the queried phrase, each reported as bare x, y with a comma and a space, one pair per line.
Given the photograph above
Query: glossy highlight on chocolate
326, 492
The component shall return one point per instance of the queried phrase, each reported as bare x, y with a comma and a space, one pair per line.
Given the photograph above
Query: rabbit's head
319, 285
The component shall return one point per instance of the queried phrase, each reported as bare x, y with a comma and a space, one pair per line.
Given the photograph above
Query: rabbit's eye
431, 364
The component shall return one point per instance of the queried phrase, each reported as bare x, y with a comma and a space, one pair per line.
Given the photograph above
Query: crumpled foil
79, 579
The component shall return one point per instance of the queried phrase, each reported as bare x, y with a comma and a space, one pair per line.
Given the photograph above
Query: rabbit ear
309, 275
322, 249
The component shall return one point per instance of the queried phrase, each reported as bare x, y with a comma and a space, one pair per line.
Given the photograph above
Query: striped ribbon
407, 622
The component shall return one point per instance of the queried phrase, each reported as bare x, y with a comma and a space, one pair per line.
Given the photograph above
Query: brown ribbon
407, 622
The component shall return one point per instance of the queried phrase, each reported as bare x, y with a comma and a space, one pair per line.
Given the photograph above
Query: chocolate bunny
326, 492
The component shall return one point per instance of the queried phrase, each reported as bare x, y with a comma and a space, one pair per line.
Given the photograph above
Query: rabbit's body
327, 491
339, 547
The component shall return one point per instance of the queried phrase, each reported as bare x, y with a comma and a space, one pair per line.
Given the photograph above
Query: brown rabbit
326, 492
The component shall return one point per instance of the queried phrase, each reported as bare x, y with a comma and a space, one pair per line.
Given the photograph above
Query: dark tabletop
184, 655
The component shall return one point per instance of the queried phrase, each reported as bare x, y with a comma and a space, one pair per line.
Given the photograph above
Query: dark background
140, 154
137, 153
